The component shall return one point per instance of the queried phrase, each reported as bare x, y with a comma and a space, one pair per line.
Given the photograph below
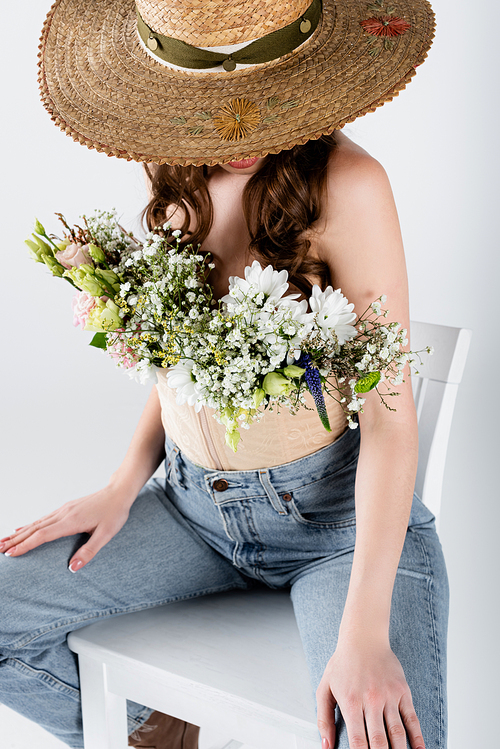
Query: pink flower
74, 255
82, 305
120, 350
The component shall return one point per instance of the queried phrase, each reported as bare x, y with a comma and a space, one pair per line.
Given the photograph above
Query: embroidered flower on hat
237, 119
385, 26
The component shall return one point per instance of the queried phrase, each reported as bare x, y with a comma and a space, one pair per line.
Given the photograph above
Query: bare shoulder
358, 234
355, 181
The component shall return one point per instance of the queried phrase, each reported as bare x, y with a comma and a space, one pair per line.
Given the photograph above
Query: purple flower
313, 382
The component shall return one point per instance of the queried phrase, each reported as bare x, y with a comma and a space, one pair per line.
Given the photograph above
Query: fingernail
324, 744
10, 551
75, 565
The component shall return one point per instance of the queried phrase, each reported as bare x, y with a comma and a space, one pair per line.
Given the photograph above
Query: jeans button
220, 485
287, 497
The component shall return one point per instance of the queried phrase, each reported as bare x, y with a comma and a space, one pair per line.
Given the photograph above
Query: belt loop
271, 492
174, 476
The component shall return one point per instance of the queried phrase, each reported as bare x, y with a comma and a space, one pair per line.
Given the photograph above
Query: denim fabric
204, 531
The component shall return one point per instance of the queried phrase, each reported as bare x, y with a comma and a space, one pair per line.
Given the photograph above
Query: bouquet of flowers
151, 306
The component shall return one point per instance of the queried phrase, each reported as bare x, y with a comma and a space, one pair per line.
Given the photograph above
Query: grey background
67, 414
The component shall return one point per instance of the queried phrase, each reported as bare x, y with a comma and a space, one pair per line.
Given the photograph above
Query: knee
33, 591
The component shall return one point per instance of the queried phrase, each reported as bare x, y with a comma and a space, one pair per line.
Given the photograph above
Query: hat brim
102, 88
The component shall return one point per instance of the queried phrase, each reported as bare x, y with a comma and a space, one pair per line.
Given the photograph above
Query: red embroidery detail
385, 26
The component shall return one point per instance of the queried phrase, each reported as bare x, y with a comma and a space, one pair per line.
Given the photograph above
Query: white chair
435, 390
232, 663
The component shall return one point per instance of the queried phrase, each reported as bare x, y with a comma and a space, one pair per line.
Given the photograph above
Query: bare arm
145, 453
102, 513
362, 244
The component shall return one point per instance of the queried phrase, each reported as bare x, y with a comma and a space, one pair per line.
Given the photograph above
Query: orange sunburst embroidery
385, 26
237, 119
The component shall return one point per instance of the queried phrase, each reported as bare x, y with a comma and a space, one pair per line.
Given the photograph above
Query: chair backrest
435, 385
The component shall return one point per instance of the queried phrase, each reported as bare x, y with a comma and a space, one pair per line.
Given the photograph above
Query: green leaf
195, 130
272, 102
289, 105
99, 341
178, 121
204, 115
367, 382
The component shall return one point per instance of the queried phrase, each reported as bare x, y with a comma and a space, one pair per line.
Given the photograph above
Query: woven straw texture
212, 23
102, 88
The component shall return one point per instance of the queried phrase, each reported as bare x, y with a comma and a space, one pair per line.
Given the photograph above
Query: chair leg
104, 714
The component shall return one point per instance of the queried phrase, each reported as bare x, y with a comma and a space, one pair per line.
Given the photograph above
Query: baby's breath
152, 306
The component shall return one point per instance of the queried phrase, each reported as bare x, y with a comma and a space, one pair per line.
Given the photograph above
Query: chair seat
232, 661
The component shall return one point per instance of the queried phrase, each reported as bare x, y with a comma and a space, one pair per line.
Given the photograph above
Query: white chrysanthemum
271, 283
300, 313
143, 372
333, 312
181, 378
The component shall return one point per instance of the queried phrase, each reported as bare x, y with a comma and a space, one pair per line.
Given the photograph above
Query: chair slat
435, 386
451, 346
434, 431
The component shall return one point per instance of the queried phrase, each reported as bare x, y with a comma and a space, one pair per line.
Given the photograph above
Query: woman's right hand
101, 514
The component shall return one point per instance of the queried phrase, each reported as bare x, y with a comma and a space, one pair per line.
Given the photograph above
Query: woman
370, 598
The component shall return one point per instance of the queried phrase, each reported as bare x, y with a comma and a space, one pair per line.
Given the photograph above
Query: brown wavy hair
280, 202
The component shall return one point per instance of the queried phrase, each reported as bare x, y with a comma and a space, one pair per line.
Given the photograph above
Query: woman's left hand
368, 684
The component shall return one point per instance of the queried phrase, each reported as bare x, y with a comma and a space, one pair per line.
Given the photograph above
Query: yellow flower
237, 119
219, 358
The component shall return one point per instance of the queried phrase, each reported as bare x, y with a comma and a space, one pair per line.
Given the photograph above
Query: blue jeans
204, 531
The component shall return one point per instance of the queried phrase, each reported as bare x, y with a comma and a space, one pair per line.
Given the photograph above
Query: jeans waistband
311, 467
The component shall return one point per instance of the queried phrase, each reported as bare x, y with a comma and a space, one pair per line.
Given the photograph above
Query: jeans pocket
327, 502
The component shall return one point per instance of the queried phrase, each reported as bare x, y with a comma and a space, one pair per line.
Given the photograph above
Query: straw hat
212, 81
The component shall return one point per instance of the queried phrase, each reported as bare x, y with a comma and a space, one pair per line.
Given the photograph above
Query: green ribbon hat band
269, 47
